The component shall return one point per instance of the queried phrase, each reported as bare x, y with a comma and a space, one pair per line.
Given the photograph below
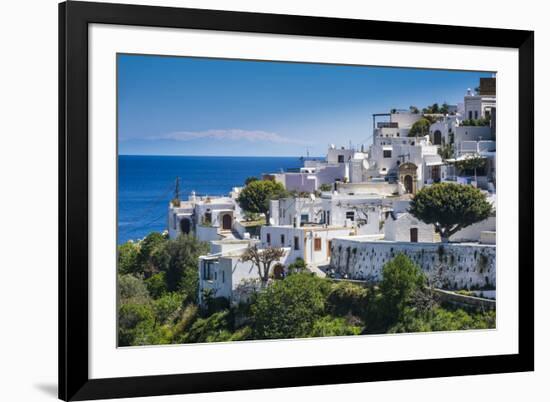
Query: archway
407, 176
408, 182
278, 271
185, 226
227, 222
437, 137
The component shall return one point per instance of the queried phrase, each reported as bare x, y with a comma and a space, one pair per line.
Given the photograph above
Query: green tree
289, 308
156, 285
401, 280
167, 307
450, 207
136, 323
149, 247
431, 109
132, 288
128, 258
249, 180
420, 128
256, 195
414, 110
471, 164
181, 257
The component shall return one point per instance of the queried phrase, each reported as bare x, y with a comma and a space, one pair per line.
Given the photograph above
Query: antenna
177, 189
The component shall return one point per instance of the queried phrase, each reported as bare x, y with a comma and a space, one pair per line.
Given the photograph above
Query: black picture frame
74, 18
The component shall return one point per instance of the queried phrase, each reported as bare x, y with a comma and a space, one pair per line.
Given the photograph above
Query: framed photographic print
257, 200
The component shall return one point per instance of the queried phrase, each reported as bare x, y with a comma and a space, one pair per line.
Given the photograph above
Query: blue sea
146, 184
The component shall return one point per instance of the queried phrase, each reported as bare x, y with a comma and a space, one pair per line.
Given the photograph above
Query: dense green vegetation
158, 293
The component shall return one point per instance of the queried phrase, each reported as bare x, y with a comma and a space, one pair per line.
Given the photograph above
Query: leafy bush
297, 266
167, 307
420, 128
401, 280
334, 326
215, 328
128, 258
156, 285
347, 298
136, 325
131, 288
289, 308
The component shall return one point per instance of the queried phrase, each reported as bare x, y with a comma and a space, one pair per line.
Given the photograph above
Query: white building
362, 212
480, 105
314, 173
223, 274
443, 131
295, 211
209, 218
311, 243
403, 227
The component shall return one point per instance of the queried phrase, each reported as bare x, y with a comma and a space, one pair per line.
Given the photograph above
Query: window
414, 235
387, 153
476, 114
268, 238
329, 247
470, 114
317, 244
223, 276
175, 221
282, 240
296, 243
340, 158
350, 215
304, 218
328, 218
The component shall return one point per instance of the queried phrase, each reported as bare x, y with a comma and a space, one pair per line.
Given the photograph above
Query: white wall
453, 266
33, 149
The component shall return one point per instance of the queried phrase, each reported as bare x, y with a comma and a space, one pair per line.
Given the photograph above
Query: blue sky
194, 106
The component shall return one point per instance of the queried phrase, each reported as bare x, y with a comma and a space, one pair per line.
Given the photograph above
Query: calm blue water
146, 184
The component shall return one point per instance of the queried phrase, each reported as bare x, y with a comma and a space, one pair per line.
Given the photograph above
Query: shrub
334, 326
347, 298
289, 308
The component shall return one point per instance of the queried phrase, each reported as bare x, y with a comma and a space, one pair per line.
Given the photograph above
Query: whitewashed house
311, 243
295, 210
208, 218
403, 227
223, 274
